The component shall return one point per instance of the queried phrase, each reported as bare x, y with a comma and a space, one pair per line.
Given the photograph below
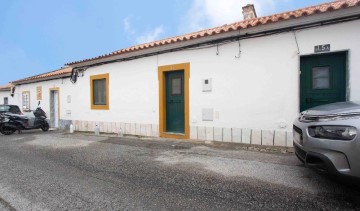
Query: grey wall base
64, 124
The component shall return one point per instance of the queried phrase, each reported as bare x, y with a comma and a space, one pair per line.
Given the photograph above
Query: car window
4, 108
14, 109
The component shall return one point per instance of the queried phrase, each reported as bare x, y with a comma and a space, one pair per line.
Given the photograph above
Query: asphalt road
54, 171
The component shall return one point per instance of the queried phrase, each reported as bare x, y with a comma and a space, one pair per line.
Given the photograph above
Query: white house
46, 89
5, 95
244, 82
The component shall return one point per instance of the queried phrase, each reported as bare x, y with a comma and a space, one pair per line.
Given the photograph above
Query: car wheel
45, 127
6, 130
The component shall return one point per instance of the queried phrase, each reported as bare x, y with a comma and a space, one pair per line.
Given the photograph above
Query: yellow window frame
98, 77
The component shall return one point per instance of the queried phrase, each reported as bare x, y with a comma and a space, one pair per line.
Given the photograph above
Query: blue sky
39, 36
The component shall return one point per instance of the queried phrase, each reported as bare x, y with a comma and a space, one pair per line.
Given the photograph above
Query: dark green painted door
322, 80
175, 102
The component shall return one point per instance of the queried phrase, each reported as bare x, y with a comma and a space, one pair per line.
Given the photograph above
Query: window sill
99, 107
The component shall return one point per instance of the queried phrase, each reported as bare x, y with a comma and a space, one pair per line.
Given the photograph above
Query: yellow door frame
162, 99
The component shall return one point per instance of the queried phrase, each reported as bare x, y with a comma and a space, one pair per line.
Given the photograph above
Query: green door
175, 102
322, 80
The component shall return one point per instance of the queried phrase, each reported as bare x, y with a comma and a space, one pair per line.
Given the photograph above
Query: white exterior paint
239, 86
133, 93
255, 97
4, 94
63, 84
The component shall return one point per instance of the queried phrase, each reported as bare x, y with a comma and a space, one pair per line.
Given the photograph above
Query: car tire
6, 130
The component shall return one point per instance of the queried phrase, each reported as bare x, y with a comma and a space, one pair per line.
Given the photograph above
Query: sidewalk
213, 144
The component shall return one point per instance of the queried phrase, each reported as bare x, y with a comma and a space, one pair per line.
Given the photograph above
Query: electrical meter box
208, 114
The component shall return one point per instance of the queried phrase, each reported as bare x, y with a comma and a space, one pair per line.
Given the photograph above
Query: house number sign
322, 48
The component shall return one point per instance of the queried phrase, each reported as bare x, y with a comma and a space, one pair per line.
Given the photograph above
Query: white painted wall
133, 93
258, 91
65, 87
4, 94
342, 37
255, 91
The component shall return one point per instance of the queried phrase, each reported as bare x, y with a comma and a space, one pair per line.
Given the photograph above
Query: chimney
249, 12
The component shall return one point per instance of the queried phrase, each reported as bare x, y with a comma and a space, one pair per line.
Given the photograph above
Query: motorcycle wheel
45, 127
6, 130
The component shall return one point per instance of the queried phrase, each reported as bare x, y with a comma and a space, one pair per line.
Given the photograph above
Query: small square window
6, 100
321, 78
100, 92
206, 81
176, 86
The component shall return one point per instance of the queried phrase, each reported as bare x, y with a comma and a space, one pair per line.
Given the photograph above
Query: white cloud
144, 37
209, 13
150, 35
127, 26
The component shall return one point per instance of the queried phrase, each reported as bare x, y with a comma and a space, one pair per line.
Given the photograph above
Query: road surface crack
6, 205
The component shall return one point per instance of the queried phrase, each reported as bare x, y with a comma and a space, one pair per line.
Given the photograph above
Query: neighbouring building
48, 88
5, 95
243, 82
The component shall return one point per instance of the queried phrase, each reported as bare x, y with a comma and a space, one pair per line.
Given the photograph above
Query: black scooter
13, 122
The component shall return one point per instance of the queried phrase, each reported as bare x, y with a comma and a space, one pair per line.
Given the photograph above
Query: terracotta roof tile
322, 8
54, 73
5, 87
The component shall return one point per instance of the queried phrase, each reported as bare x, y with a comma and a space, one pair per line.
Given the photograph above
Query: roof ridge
43, 75
5, 86
230, 24
172, 37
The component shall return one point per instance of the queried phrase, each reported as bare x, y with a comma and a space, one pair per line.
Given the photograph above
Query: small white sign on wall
69, 98
68, 113
207, 85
